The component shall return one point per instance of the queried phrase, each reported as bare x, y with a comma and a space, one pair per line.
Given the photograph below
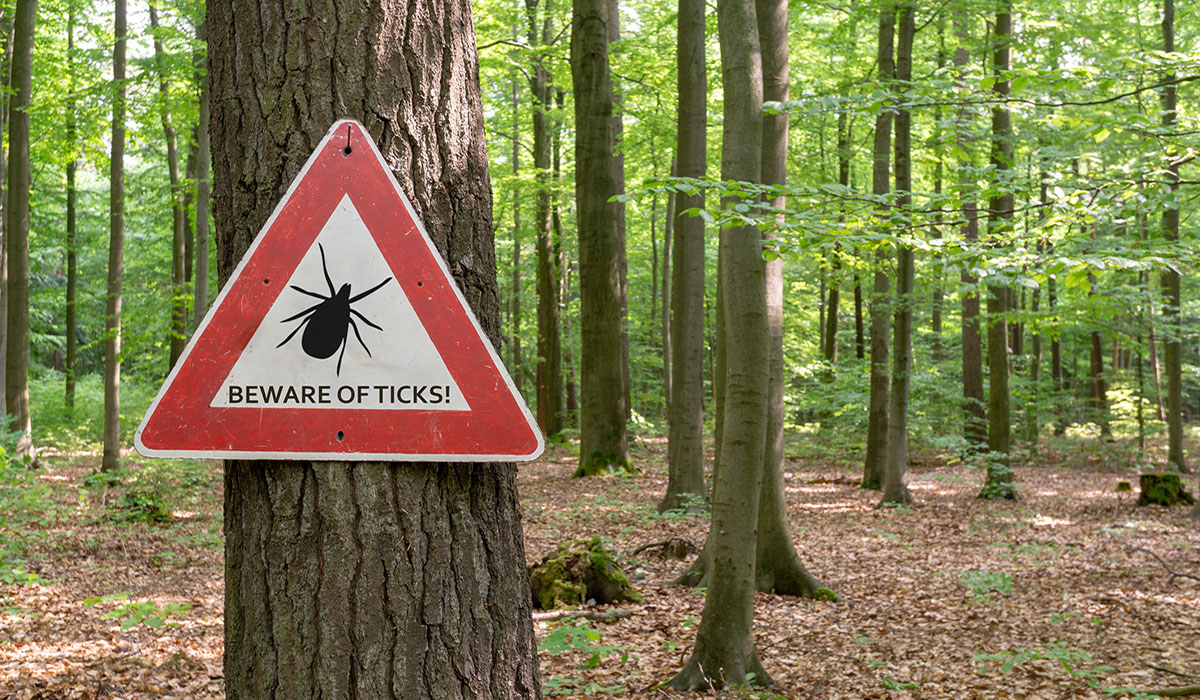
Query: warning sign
341, 335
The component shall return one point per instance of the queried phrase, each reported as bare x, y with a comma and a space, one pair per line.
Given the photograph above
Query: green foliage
572, 635
147, 613
984, 584
1066, 657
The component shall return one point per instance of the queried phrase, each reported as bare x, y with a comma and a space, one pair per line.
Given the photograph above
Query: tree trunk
203, 190
603, 441
877, 416
685, 443
16, 371
111, 459
665, 311
1152, 342
1099, 392
618, 162
1056, 366
6, 37
72, 253
829, 348
974, 414
1032, 406
1173, 320
724, 651
571, 408
178, 238
549, 361
999, 483
860, 343
935, 316
895, 478
365, 579
515, 310
777, 566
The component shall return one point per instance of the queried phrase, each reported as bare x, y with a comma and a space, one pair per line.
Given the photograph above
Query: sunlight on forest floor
1056, 595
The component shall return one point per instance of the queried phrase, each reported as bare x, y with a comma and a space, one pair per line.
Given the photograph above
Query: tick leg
343, 354
325, 269
365, 320
356, 335
302, 313
294, 332
305, 291
369, 291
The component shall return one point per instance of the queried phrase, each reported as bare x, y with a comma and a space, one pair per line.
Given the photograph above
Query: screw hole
347, 151
420, 284
341, 437
266, 280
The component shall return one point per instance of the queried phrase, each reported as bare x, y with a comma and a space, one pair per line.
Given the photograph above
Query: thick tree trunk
72, 253
16, 370
974, 413
685, 444
549, 361
1173, 320
999, 483
111, 459
603, 441
724, 651
178, 214
895, 478
367, 580
203, 191
877, 415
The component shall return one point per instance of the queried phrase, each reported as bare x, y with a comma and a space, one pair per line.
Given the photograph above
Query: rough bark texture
16, 360
72, 256
178, 213
895, 477
1173, 319
203, 189
549, 367
685, 446
778, 568
974, 413
111, 459
999, 482
603, 442
724, 651
366, 580
877, 412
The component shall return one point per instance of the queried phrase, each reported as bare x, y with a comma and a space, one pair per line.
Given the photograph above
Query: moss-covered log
579, 571
1163, 490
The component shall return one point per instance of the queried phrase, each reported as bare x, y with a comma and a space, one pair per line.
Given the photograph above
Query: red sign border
498, 426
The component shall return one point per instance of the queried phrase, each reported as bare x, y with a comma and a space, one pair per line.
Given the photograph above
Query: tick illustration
327, 323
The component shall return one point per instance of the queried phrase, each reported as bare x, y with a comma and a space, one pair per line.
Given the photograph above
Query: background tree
116, 251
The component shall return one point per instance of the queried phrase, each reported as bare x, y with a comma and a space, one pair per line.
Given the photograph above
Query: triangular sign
341, 336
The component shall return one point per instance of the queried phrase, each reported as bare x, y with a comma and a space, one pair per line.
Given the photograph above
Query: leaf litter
1057, 595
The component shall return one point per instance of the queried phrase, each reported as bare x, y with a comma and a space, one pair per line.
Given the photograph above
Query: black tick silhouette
326, 324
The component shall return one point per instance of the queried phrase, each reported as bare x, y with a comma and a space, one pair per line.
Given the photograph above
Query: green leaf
1101, 135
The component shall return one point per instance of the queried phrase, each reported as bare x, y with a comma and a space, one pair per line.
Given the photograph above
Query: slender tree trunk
935, 317
515, 314
1173, 319
860, 344
111, 460
6, 36
1000, 482
829, 347
974, 413
665, 317
1033, 404
724, 651
570, 416
16, 372
618, 163
72, 253
778, 568
1056, 366
367, 580
203, 188
895, 478
178, 213
1152, 342
603, 441
877, 416
685, 442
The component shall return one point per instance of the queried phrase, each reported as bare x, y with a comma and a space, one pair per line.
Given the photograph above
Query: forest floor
1058, 595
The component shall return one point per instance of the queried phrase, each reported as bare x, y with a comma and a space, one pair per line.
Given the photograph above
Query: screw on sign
326, 324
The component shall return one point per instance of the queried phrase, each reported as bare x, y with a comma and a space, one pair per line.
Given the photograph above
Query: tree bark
974, 413
877, 415
549, 361
515, 313
603, 441
111, 459
203, 187
6, 37
16, 373
665, 312
685, 442
367, 580
999, 483
178, 332
724, 652
895, 478
860, 344
1173, 319
1152, 342
72, 253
